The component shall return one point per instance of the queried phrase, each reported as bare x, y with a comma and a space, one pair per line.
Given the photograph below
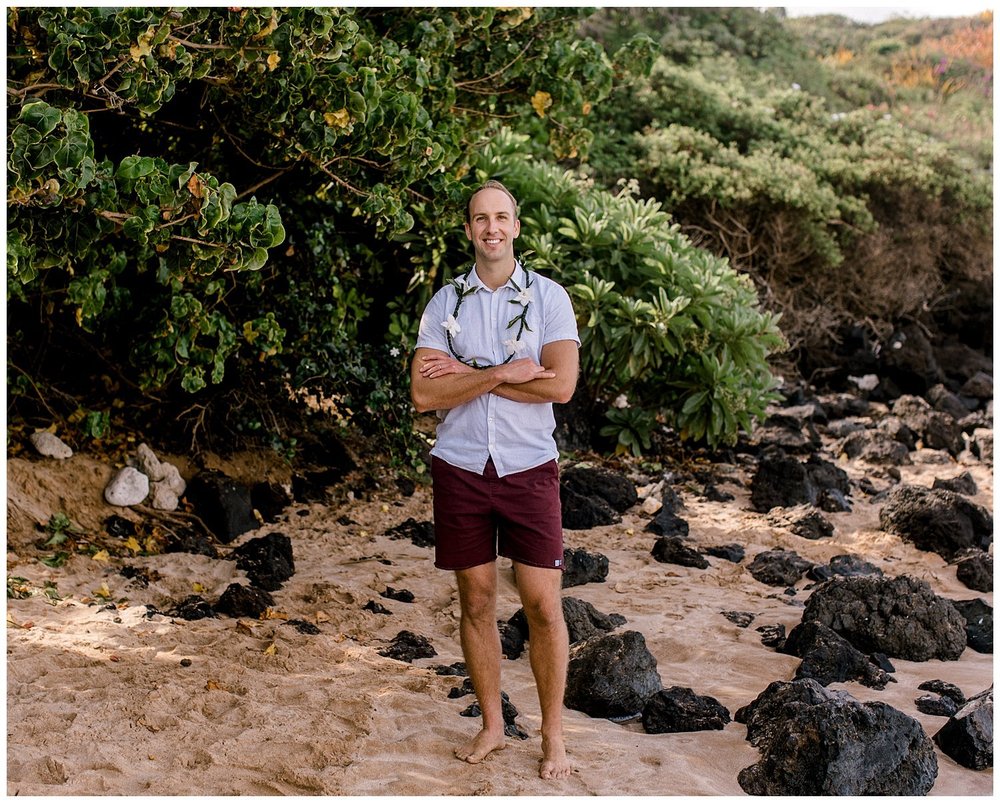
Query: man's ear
468, 231
517, 227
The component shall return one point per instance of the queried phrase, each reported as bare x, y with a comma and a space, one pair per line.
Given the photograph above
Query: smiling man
497, 347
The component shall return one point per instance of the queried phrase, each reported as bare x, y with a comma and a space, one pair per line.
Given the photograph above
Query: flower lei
514, 345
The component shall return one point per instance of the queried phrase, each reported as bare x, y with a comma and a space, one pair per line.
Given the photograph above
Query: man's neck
495, 275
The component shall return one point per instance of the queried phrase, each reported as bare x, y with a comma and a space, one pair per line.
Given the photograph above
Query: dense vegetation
232, 218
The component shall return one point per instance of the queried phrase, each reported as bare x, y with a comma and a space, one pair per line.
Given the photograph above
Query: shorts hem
535, 565
444, 568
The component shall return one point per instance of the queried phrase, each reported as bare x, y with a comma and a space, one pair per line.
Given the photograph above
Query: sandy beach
103, 699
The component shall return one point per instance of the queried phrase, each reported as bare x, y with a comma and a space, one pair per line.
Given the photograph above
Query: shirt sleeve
431, 334
560, 319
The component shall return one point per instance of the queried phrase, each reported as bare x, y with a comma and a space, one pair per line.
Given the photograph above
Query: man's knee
543, 612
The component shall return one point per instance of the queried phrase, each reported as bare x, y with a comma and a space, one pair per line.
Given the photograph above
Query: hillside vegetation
223, 223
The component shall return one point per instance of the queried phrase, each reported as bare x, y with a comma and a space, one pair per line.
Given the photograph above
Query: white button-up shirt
518, 435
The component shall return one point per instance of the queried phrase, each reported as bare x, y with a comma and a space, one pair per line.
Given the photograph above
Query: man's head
492, 184
492, 225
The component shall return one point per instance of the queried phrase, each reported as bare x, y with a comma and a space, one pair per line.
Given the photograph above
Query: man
496, 348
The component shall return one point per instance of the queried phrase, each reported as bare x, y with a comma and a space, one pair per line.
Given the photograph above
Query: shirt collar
515, 282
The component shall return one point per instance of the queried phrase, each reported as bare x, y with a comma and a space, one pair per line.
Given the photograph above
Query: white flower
796, 87
514, 346
525, 297
451, 325
394, 351
621, 402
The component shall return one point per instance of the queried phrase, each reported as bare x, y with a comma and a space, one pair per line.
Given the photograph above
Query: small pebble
185, 662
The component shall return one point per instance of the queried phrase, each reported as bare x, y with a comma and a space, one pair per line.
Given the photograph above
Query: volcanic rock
843, 566
829, 658
978, 623
803, 520
815, 742
223, 504
611, 676
407, 646
962, 484
239, 600
421, 533
580, 566
731, 552
936, 521
778, 567
680, 710
975, 569
968, 736
673, 550
899, 616
267, 560
614, 488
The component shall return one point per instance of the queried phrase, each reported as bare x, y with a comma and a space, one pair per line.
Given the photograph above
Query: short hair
492, 184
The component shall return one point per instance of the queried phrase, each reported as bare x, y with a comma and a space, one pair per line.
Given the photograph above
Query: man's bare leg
477, 595
548, 653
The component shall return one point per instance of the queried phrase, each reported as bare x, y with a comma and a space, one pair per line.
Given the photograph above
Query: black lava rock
407, 646
400, 595
740, 618
580, 566
267, 560
815, 742
778, 567
611, 676
192, 608
772, 636
222, 503
975, 569
374, 607
843, 566
511, 640
803, 520
673, 550
936, 521
680, 710
668, 523
978, 616
962, 484
421, 533
829, 658
581, 512
239, 600
935, 705
583, 620
731, 552
780, 481
968, 736
899, 616
614, 488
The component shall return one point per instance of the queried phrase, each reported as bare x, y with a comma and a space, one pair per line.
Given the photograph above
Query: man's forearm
448, 392
538, 391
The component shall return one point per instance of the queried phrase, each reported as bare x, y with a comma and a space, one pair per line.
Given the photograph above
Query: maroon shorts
480, 516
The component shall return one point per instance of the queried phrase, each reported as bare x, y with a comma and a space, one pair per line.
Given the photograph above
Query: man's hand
437, 364
517, 372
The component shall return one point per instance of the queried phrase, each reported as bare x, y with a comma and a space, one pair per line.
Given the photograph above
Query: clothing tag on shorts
558, 563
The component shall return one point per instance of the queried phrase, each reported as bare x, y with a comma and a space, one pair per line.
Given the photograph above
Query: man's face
493, 226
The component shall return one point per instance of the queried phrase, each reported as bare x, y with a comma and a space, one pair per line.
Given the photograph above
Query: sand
105, 700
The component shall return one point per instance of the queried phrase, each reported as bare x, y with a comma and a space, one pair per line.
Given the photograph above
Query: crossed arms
440, 382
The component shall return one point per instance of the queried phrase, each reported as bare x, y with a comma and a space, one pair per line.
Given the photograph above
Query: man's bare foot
554, 762
481, 746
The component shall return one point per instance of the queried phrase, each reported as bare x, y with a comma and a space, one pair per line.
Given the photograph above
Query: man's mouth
492, 241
